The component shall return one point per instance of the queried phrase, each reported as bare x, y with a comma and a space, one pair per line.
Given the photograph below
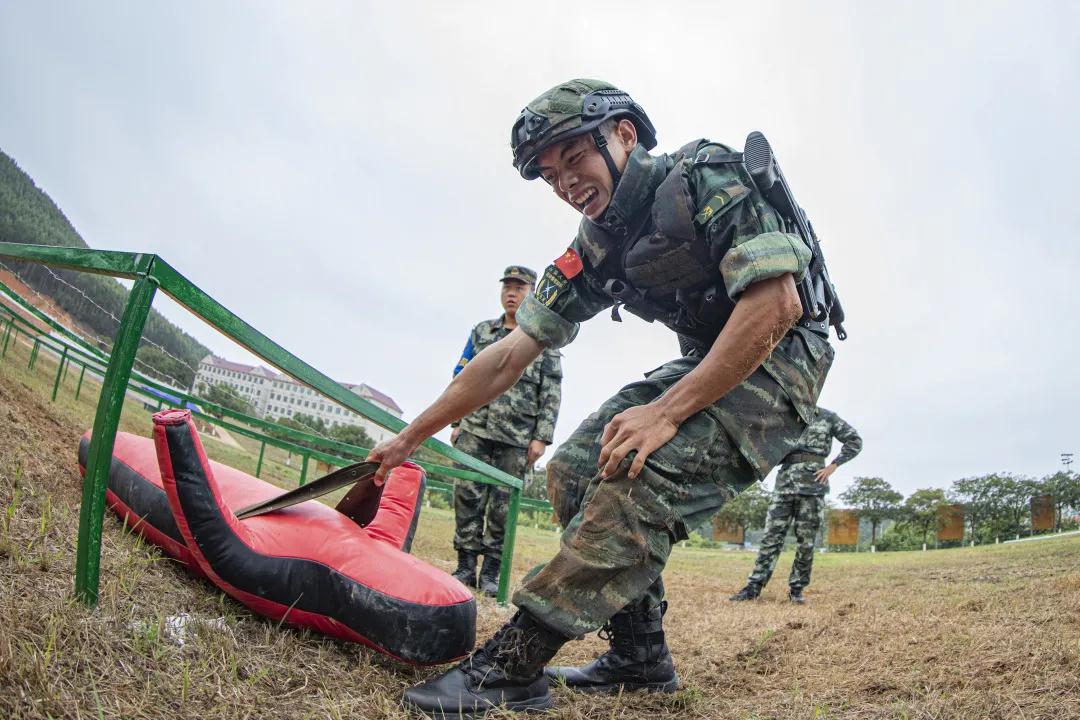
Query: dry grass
973, 633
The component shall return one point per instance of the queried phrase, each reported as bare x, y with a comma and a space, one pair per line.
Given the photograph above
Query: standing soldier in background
510, 433
799, 497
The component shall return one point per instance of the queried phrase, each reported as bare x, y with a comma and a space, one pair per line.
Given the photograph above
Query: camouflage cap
519, 272
568, 110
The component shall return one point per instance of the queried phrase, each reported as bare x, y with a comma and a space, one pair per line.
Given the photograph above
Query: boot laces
623, 640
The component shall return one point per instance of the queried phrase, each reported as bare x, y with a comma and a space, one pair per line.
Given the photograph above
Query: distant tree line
997, 506
29, 216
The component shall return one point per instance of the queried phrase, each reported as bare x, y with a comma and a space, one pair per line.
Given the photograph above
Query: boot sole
525, 706
615, 688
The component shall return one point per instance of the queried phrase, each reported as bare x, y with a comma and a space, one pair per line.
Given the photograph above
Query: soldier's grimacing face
513, 293
576, 170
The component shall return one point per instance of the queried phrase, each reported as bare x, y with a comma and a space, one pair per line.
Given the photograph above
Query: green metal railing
150, 274
98, 361
78, 357
351, 452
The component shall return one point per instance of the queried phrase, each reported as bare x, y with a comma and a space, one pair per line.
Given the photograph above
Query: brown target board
727, 532
950, 522
843, 527
1042, 512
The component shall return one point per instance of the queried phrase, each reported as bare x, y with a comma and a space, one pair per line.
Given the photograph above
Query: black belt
800, 457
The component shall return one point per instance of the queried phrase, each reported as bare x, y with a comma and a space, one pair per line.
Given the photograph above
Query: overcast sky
338, 174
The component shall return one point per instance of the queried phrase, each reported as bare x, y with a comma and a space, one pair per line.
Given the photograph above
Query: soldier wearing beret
511, 433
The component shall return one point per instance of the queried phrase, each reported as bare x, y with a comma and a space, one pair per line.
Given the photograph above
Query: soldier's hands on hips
643, 428
537, 448
822, 475
389, 454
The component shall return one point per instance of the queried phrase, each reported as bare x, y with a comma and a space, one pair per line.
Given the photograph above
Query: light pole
1066, 460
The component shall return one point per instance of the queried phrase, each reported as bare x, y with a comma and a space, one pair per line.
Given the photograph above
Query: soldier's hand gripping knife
685, 239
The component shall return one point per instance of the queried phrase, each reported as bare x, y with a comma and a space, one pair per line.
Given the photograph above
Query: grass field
987, 632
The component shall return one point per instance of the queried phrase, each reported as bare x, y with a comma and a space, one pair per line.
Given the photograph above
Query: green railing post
9, 333
59, 373
508, 546
258, 465
106, 420
303, 469
33, 354
78, 388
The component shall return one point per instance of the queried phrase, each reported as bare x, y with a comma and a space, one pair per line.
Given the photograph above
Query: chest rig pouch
670, 270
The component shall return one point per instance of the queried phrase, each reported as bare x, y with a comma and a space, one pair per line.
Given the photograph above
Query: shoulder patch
727, 195
551, 285
569, 263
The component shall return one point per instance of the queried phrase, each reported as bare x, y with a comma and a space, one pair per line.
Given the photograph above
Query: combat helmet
571, 109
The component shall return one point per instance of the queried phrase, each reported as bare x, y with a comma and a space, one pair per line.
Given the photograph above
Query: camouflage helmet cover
568, 110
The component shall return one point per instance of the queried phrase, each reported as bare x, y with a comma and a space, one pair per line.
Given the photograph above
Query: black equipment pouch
821, 306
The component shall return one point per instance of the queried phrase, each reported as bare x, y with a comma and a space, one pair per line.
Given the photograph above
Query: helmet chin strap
602, 146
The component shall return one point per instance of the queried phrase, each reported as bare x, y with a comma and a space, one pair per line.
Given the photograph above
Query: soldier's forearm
846, 455
488, 375
762, 316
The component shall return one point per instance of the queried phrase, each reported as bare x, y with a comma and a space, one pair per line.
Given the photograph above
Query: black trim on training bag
147, 502
413, 631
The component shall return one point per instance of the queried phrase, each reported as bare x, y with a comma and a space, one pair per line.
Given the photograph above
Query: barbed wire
107, 312
57, 310
115, 319
148, 368
98, 340
312, 429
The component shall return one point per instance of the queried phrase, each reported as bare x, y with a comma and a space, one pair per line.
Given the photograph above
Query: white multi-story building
275, 396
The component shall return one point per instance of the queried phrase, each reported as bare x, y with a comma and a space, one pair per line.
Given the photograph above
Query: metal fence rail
151, 273
74, 355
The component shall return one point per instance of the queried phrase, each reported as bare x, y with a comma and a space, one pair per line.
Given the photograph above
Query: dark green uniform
499, 434
799, 499
682, 238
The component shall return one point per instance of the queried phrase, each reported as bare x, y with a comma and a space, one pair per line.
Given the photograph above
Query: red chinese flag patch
569, 263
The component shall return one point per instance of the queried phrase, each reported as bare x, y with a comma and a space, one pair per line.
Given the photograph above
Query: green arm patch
544, 325
763, 256
727, 195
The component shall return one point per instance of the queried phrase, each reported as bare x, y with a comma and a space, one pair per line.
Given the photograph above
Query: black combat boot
489, 576
750, 592
639, 658
466, 568
795, 595
507, 673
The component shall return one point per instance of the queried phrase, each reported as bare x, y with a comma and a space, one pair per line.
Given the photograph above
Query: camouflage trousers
480, 509
784, 510
619, 532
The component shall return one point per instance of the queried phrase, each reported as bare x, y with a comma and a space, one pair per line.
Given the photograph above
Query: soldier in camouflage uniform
799, 498
685, 239
510, 433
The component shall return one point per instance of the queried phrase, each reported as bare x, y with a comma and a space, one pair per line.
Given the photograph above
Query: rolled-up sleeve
544, 325
764, 256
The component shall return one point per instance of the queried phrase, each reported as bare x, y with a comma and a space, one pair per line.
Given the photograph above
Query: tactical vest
666, 271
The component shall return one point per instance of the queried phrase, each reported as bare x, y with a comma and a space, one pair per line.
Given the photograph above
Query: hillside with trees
28, 215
